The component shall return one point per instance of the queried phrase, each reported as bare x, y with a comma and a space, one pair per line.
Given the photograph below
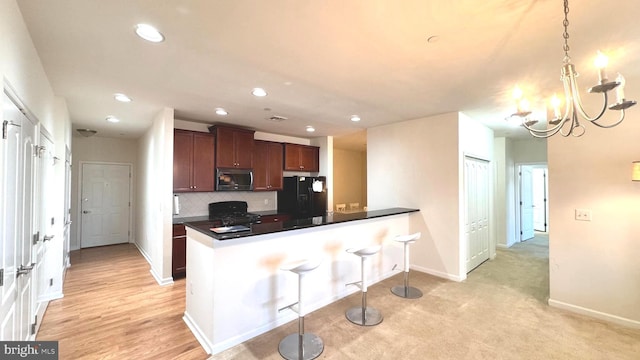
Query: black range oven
229, 213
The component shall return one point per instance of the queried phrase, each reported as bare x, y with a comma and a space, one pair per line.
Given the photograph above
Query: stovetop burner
231, 213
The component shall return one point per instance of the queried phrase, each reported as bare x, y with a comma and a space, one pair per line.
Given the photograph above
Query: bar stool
406, 291
300, 346
363, 315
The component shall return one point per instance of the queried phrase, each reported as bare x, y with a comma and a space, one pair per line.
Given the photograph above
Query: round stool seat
302, 266
366, 251
407, 238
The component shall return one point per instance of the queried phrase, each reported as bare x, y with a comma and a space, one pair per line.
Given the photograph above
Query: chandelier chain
565, 35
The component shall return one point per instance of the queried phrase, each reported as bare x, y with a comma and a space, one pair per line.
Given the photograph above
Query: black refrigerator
303, 196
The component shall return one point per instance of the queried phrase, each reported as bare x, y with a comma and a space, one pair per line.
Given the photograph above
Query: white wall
415, 164
594, 265
99, 149
500, 190
528, 151
350, 176
418, 164
154, 195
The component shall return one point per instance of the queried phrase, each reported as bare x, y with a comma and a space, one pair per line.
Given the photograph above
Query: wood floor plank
113, 309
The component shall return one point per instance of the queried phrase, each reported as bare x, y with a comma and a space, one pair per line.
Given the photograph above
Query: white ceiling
321, 61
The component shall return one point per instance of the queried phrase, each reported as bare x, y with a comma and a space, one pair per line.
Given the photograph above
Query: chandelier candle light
573, 103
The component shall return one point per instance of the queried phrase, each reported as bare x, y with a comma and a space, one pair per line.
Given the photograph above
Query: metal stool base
407, 292
372, 316
312, 347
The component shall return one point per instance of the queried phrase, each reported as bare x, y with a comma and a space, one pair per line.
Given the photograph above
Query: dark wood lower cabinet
179, 253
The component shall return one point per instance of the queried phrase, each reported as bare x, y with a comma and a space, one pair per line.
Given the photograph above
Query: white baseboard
438, 273
503, 246
160, 280
595, 314
144, 253
198, 333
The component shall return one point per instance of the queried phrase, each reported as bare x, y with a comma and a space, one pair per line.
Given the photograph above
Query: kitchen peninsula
234, 282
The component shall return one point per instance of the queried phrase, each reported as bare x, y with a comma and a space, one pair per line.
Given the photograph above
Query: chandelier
568, 123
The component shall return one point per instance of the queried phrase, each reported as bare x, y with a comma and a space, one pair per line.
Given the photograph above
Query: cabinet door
182, 160
179, 251
243, 149
309, 158
292, 157
261, 166
224, 148
203, 162
275, 166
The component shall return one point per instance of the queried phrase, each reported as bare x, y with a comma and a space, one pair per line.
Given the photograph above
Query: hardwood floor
114, 309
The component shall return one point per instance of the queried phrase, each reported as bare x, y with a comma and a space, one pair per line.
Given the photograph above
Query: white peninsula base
235, 287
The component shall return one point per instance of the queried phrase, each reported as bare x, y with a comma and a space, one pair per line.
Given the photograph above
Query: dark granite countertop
203, 225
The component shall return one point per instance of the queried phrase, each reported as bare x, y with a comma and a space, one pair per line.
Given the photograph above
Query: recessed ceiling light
112, 119
310, 128
355, 118
121, 97
149, 33
221, 111
259, 92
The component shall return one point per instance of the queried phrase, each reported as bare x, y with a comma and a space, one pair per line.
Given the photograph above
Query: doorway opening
533, 209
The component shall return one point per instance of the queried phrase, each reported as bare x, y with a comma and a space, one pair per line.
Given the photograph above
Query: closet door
476, 214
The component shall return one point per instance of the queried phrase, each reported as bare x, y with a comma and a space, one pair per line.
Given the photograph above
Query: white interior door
10, 209
66, 244
476, 219
526, 203
540, 199
25, 254
105, 204
44, 257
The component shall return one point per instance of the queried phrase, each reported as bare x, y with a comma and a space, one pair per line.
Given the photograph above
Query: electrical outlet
191, 288
266, 201
583, 214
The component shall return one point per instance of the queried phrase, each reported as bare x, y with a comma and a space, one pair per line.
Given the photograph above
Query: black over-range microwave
234, 179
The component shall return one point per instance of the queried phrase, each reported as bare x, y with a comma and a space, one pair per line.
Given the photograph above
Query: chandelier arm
577, 101
610, 125
543, 135
552, 130
574, 123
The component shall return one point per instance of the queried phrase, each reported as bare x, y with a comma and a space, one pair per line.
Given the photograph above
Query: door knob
86, 212
47, 237
24, 269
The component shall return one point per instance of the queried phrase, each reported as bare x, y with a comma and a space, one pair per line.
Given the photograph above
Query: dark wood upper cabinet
301, 158
193, 161
267, 166
234, 147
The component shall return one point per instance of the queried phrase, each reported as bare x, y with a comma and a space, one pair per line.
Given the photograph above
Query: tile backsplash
197, 204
